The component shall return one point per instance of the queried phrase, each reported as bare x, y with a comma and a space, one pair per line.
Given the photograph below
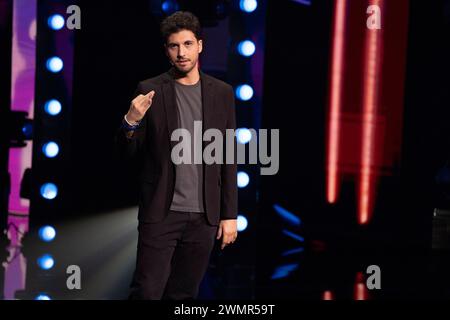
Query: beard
182, 71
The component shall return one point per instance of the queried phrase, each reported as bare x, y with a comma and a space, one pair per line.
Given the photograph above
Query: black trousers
172, 256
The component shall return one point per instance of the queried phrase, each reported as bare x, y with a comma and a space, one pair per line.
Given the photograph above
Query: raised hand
139, 107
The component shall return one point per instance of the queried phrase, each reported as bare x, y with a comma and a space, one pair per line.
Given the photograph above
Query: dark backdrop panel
117, 46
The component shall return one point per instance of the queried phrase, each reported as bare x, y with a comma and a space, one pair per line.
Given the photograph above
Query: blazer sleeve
229, 198
130, 147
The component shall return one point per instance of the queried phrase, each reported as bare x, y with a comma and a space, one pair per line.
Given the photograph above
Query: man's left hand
228, 232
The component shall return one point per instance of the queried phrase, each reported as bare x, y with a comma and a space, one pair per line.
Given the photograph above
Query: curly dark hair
180, 20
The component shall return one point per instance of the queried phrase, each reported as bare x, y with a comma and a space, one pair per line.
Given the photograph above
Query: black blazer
151, 144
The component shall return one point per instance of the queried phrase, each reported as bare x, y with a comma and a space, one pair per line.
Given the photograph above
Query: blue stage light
43, 297
46, 262
50, 149
27, 130
284, 271
49, 191
55, 64
292, 251
244, 92
56, 22
170, 6
293, 235
243, 135
47, 233
53, 107
242, 179
248, 5
246, 48
242, 223
290, 217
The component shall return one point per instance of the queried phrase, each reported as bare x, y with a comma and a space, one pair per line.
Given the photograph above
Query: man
183, 207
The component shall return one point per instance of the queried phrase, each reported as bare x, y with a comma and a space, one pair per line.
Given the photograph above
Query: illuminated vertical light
327, 295
360, 290
373, 51
335, 99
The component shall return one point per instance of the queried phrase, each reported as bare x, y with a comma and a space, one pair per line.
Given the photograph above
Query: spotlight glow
47, 233
243, 135
248, 5
244, 92
242, 223
53, 107
56, 22
42, 297
50, 149
242, 179
46, 262
27, 130
49, 191
55, 64
170, 6
246, 48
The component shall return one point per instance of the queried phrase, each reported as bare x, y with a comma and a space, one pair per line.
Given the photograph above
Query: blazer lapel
207, 102
168, 89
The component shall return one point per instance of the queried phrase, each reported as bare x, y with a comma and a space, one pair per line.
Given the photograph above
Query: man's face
183, 50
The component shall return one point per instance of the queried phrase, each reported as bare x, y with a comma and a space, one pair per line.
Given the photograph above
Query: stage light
292, 251
243, 135
242, 223
46, 262
242, 179
49, 191
56, 22
50, 149
293, 235
53, 107
47, 233
284, 271
246, 48
42, 297
55, 64
169, 6
248, 5
304, 2
288, 216
27, 130
244, 92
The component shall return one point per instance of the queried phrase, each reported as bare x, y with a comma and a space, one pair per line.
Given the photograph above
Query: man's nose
181, 52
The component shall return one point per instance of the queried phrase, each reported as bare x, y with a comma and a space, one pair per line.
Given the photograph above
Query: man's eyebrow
189, 40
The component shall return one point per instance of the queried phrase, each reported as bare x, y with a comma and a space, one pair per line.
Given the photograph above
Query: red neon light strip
370, 101
335, 99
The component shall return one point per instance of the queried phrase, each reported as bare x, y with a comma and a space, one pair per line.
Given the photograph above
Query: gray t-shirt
188, 195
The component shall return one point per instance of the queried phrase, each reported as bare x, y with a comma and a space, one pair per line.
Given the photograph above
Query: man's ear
167, 54
200, 46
